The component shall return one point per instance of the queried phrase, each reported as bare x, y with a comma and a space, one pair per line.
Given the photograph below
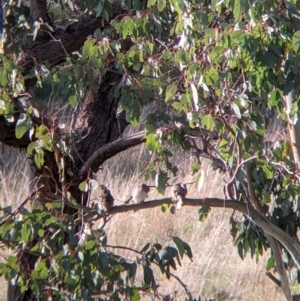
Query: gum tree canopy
222, 80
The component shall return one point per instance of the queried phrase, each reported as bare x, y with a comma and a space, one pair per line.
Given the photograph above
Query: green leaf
3, 269
211, 77
12, 261
161, 181
274, 98
41, 271
83, 186
23, 125
47, 143
237, 10
41, 131
39, 158
161, 4
134, 294
170, 91
173, 209
296, 40
208, 122
41, 232
236, 110
51, 221
132, 271
179, 106
179, 6
151, 2
87, 48
268, 171
145, 248
152, 142
183, 247
164, 208
270, 263
73, 100
241, 250
195, 167
203, 212
99, 9
56, 205
31, 147
148, 275
89, 245
180, 245
103, 260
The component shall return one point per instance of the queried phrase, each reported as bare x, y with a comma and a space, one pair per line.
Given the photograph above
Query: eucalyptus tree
222, 78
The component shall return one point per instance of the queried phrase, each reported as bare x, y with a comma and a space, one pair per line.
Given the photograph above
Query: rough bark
101, 125
38, 10
54, 48
97, 116
99, 119
108, 151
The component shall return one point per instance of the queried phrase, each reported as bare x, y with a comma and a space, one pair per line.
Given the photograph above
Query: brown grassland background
216, 273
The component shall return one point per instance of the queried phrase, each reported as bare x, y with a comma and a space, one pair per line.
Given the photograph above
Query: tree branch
291, 244
56, 47
284, 280
110, 150
273, 278
284, 283
185, 287
53, 50
38, 10
293, 128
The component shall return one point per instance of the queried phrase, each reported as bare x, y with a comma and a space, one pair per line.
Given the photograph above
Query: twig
187, 291
124, 248
170, 273
16, 211
56, 40
234, 175
238, 167
285, 168
273, 278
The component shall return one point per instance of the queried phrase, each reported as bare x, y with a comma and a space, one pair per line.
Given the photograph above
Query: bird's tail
127, 202
179, 203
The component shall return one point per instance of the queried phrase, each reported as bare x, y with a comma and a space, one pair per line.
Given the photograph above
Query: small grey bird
106, 200
179, 194
139, 194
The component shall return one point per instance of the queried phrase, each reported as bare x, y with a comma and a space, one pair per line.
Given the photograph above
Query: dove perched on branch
139, 194
179, 194
105, 203
106, 200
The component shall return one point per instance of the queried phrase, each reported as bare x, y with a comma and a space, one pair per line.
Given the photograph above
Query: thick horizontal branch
110, 150
291, 244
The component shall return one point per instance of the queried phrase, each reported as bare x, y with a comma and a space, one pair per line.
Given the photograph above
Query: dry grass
216, 272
